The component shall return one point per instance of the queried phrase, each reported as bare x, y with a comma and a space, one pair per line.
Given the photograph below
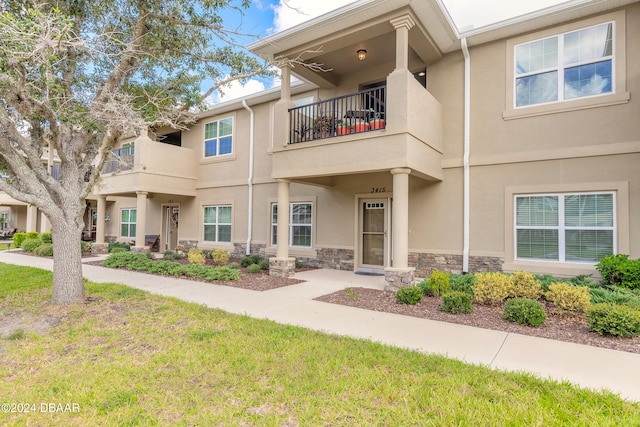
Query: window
578, 227
300, 224
128, 149
218, 137
4, 220
128, 223
217, 223
567, 66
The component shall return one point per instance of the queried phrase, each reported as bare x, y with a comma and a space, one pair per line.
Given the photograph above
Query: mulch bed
557, 326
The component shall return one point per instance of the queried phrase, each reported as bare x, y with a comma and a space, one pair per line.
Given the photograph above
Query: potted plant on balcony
375, 124
344, 128
324, 126
361, 126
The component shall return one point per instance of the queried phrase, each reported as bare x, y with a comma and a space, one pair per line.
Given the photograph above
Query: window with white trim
217, 223
300, 224
570, 227
566, 66
218, 137
128, 219
4, 220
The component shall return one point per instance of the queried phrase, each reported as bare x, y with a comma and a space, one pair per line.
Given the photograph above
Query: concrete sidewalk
590, 367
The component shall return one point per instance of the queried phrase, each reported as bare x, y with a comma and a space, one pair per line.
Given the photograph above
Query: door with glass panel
170, 231
373, 235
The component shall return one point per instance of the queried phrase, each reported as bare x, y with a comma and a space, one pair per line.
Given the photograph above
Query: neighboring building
511, 147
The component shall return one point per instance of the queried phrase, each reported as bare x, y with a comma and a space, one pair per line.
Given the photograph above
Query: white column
283, 219
100, 216
32, 218
141, 217
402, 25
400, 217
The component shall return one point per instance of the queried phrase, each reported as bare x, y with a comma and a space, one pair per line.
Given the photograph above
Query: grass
131, 358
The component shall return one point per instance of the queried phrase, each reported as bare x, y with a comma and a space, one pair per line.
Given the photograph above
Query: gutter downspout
250, 179
465, 159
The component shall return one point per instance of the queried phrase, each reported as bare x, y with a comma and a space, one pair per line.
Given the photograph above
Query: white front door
373, 235
171, 220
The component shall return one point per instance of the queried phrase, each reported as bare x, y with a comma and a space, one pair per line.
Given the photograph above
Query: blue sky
266, 17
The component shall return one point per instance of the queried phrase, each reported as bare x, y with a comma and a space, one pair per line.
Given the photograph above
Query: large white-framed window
300, 224
4, 220
566, 66
565, 227
218, 137
217, 223
128, 222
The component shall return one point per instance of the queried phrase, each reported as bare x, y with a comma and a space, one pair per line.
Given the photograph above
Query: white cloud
235, 90
293, 12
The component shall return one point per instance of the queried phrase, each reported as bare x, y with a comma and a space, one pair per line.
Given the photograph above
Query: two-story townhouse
413, 147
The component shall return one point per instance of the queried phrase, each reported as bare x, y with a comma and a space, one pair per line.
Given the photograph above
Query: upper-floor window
566, 227
218, 137
571, 65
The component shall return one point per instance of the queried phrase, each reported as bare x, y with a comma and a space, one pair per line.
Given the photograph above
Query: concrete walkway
590, 367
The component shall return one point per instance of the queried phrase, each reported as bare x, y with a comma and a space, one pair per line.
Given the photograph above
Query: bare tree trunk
68, 284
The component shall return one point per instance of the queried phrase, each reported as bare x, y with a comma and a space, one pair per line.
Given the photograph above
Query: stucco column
399, 274
282, 131
283, 265
100, 216
283, 219
285, 85
402, 25
141, 218
45, 225
32, 219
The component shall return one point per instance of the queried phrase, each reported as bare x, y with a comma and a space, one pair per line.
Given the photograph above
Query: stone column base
142, 249
396, 278
282, 267
99, 248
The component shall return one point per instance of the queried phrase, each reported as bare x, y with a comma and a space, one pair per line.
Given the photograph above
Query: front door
373, 235
170, 227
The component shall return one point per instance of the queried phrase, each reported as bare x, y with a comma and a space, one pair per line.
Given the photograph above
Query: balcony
394, 126
358, 112
149, 166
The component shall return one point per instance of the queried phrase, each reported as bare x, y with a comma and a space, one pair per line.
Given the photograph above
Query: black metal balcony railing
362, 111
120, 159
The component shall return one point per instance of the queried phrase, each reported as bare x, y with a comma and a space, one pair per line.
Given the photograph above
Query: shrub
166, 268
546, 280
456, 302
33, 235
220, 256
122, 245
525, 285
409, 295
195, 256
615, 295
524, 311
45, 249
85, 247
568, 298
253, 268
584, 280
264, 264
29, 245
131, 260
233, 265
224, 273
169, 255
18, 238
250, 259
491, 288
46, 237
619, 270
462, 283
438, 283
298, 263
614, 319
118, 250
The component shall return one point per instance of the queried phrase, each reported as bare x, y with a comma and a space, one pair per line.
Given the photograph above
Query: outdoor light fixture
362, 54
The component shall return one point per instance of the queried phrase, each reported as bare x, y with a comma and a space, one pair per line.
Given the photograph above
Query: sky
267, 17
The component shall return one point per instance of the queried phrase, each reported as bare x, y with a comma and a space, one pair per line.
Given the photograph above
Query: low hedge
409, 295
524, 311
456, 302
29, 245
614, 319
45, 249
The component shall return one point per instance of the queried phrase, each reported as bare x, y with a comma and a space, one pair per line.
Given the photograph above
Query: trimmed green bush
409, 295
437, 284
264, 264
46, 237
491, 288
29, 245
18, 238
568, 298
33, 235
614, 319
114, 245
251, 259
525, 285
45, 249
524, 311
619, 270
233, 265
254, 268
456, 302
132, 260
462, 283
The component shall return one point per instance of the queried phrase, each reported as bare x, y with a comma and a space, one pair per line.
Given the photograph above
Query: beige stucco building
408, 147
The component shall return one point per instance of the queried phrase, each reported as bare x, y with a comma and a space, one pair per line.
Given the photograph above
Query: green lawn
130, 358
